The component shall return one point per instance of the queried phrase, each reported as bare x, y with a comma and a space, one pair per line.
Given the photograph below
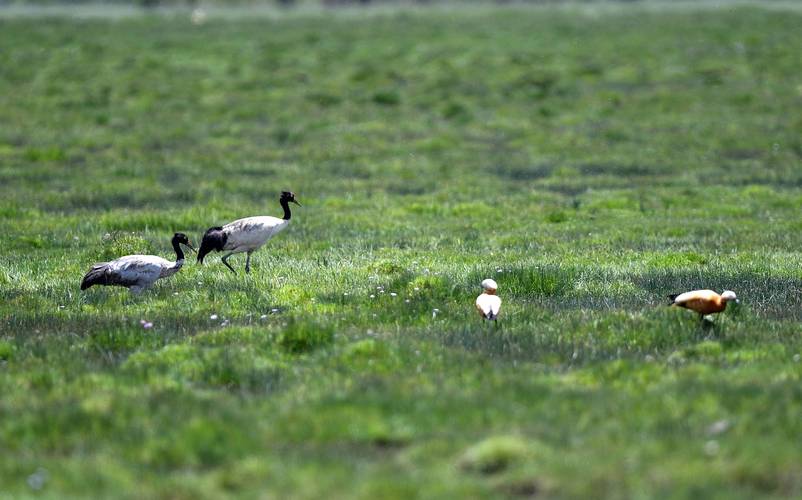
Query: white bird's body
488, 305
246, 235
250, 233
136, 272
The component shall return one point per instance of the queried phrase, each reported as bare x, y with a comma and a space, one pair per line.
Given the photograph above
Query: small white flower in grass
263, 316
200, 282
417, 289
393, 294
175, 293
345, 294
499, 270
225, 323
274, 310
198, 16
718, 427
146, 324
38, 479
372, 296
434, 313
213, 317
712, 447
406, 300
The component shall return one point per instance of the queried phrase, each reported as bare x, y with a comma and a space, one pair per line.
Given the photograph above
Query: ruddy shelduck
488, 303
703, 301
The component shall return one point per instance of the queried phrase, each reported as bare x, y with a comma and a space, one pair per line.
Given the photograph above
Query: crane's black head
289, 196
182, 239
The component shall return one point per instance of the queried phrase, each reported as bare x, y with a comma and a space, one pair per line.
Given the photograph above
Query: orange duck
703, 301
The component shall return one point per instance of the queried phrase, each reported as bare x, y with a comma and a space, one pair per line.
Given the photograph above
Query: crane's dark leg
248, 262
225, 261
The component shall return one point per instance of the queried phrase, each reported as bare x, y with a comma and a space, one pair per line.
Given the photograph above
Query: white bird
488, 303
137, 272
246, 235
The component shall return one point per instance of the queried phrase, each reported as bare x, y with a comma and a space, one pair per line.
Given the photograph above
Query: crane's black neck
286, 206
179, 254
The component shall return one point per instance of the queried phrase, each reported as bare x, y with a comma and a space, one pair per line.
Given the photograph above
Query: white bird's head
729, 295
490, 286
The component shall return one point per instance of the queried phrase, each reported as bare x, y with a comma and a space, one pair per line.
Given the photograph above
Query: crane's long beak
296, 203
189, 245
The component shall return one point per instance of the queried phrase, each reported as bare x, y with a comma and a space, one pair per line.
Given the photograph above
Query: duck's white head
729, 295
489, 285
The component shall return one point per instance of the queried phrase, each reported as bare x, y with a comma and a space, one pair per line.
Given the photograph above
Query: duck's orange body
702, 301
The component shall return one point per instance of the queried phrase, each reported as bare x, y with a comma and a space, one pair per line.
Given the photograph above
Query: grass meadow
589, 159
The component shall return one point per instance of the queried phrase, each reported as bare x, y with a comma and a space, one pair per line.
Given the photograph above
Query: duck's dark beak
296, 203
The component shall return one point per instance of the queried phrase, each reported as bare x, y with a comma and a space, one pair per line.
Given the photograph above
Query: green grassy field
590, 161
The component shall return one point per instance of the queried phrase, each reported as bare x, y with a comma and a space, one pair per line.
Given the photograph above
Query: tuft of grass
300, 337
6, 350
494, 454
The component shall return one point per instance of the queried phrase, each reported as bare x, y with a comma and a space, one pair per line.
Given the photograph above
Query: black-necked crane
137, 272
488, 303
246, 235
703, 301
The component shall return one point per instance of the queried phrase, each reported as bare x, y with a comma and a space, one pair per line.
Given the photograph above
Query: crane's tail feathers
95, 276
672, 297
213, 239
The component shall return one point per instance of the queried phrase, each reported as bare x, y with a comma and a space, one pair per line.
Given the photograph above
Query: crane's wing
135, 270
252, 232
